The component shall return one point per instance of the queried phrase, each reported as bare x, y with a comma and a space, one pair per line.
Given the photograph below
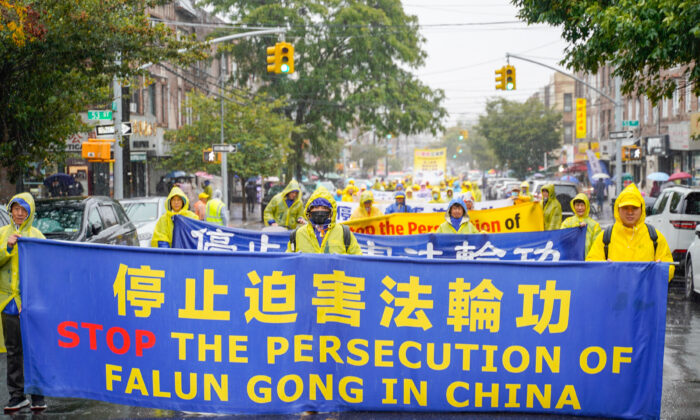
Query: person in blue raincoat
21, 208
399, 205
457, 219
176, 204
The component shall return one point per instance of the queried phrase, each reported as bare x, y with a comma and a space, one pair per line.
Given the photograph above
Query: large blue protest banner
553, 245
276, 333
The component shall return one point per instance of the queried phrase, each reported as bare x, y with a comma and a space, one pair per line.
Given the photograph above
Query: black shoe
38, 403
16, 404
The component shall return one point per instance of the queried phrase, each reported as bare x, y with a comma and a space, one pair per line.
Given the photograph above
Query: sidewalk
253, 220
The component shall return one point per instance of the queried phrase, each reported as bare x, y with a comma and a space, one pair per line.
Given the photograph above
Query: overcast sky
462, 57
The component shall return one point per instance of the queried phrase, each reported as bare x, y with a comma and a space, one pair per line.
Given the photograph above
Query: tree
56, 57
637, 38
369, 154
352, 62
520, 133
262, 135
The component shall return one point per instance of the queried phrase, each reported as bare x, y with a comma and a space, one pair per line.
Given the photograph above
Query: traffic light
464, 134
510, 77
210, 157
501, 78
280, 58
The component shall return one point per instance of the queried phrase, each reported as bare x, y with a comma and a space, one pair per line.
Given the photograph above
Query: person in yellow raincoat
435, 198
524, 196
176, 204
322, 235
22, 210
457, 219
581, 208
366, 209
630, 239
476, 192
285, 209
551, 208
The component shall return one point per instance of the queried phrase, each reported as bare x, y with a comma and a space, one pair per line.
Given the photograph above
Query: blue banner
555, 245
282, 333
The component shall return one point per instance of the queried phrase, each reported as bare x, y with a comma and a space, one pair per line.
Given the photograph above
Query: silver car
144, 213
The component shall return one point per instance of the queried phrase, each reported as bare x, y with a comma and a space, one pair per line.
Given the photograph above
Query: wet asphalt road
681, 380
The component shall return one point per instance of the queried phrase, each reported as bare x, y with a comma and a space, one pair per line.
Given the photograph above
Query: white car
144, 212
692, 267
675, 214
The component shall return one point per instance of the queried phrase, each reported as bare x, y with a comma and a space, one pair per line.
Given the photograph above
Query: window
675, 201
629, 110
164, 101
676, 101
152, 98
664, 108
640, 109
135, 101
692, 205
94, 220
660, 204
688, 90
567, 102
108, 215
568, 133
655, 114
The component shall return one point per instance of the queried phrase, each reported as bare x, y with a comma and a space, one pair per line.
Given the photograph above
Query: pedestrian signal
210, 157
510, 77
501, 78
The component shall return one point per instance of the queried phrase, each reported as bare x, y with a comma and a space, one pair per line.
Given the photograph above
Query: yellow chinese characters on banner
525, 217
580, 118
429, 160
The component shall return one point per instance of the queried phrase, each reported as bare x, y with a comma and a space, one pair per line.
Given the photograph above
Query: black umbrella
64, 180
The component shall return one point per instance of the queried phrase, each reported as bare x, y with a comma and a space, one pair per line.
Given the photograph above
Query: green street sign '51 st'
99, 115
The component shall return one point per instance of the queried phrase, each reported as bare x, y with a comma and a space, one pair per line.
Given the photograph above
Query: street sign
224, 148
630, 123
97, 115
621, 134
138, 156
103, 130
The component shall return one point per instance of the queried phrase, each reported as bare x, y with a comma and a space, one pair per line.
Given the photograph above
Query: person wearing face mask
21, 209
551, 208
366, 209
457, 219
399, 205
323, 235
436, 196
630, 238
581, 219
175, 204
285, 209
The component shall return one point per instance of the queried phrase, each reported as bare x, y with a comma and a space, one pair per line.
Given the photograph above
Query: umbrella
491, 171
176, 174
569, 178
601, 175
658, 176
64, 179
679, 175
203, 174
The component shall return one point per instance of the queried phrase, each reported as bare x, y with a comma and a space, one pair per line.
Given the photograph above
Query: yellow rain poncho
465, 226
631, 243
164, 226
361, 211
592, 227
278, 211
552, 209
333, 240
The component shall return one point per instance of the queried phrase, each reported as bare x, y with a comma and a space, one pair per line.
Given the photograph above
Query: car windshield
141, 212
59, 217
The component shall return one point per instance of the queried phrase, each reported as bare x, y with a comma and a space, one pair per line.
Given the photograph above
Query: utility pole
118, 169
224, 158
618, 113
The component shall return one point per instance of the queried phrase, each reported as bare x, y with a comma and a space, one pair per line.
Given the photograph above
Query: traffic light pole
618, 111
118, 158
224, 156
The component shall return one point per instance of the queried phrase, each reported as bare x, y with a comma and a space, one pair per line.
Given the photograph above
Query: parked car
676, 213
692, 267
92, 219
144, 213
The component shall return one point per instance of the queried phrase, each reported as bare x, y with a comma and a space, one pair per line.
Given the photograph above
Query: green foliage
67, 62
261, 133
475, 149
519, 133
369, 153
637, 38
352, 62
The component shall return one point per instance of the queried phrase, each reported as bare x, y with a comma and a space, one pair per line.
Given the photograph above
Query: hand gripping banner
284, 333
555, 245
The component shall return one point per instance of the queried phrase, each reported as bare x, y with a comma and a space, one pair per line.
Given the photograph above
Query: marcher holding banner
399, 205
366, 209
524, 195
21, 209
176, 204
285, 209
630, 238
323, 235
457, 219
552, 208
581, 219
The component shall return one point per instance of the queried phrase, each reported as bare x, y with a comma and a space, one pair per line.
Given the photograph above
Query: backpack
347, 237
608, 233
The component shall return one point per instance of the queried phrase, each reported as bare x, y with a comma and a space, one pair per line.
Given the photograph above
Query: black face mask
319, 217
